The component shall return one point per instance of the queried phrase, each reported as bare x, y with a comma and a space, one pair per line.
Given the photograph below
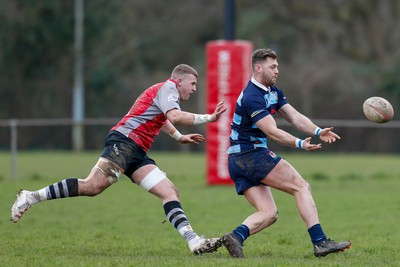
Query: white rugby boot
205, 245
20, 206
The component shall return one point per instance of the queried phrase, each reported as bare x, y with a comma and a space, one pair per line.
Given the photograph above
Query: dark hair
261, 55
183, 69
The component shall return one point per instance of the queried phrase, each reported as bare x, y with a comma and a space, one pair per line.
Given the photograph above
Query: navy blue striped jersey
254, 103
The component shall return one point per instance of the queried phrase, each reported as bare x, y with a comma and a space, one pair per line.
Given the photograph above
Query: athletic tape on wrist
317, 131
176, 135
201, 118
299, 143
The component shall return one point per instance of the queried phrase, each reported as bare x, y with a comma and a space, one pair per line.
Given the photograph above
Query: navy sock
242, 232
316, 233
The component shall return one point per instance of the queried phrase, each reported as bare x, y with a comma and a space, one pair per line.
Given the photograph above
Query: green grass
357, 195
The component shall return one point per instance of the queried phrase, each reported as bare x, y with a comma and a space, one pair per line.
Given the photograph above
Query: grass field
357, 195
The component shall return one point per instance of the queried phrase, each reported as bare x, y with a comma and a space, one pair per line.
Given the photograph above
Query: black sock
62, 189
176, 216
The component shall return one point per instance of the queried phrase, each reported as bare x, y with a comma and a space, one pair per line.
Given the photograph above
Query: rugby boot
233, 245
325, 247
205, 245
20, 206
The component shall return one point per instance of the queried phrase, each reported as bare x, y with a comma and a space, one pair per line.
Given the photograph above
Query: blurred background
333, 55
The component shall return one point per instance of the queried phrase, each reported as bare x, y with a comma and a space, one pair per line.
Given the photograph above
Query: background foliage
332, 55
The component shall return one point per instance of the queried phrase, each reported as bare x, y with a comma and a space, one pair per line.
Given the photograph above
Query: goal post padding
228, 71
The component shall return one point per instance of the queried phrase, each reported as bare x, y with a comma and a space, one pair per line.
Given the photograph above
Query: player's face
186, 86
267, 72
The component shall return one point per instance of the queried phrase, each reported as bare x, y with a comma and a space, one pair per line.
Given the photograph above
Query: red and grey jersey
147, 115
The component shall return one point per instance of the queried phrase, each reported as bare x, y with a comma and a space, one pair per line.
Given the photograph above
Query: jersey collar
253, 80
170, 80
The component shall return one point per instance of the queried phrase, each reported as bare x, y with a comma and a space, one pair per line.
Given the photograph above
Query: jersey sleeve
256, 108
281, 99
168, 98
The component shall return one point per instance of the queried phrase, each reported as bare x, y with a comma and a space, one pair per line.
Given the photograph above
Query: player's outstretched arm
269, 127
170, 129
306, 144
219, 109
194, 138
328, 136
180, 117
304, 124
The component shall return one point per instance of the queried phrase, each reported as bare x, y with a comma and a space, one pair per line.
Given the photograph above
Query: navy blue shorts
248, 168
124, 152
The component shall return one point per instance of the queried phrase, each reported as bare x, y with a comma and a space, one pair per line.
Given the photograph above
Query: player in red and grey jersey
148, 114
125, 151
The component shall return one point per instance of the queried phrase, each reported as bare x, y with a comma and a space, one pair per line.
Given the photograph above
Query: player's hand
308, 146
219, 109
191, 139
328, 136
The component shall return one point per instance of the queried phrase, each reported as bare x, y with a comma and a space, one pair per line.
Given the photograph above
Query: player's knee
109, 170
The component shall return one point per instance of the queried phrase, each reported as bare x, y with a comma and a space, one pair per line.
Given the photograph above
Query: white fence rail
14, 124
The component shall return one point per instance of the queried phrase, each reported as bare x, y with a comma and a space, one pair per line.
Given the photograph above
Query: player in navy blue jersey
255, 169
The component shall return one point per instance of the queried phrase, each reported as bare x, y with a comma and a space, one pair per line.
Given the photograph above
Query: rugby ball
378, 109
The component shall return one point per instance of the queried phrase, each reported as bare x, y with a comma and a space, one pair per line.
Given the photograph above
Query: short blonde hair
181, 70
